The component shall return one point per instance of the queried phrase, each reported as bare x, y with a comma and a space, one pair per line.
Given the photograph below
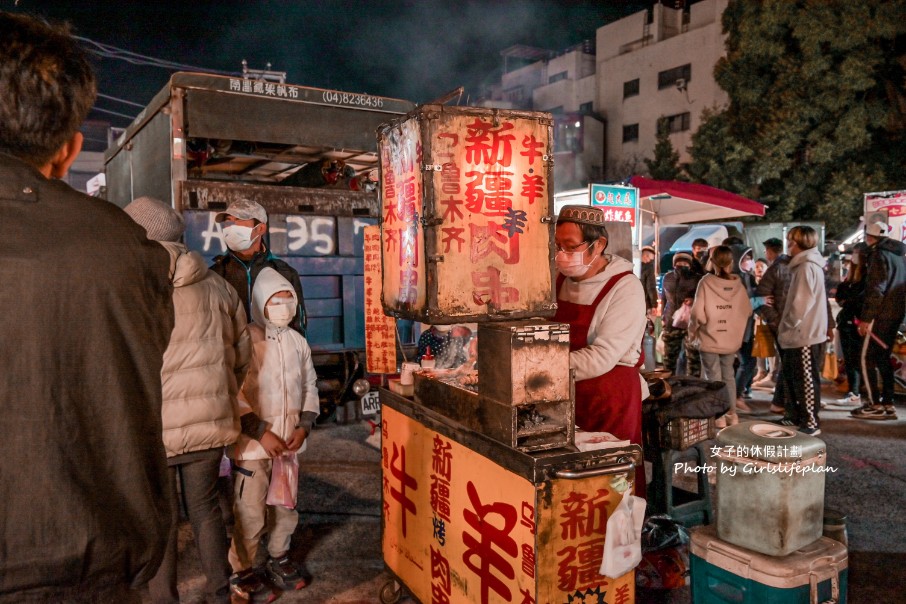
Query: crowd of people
766, 322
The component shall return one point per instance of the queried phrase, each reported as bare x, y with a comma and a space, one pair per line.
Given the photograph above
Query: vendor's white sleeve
615, 333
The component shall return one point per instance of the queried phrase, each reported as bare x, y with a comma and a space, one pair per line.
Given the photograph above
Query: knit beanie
161, 222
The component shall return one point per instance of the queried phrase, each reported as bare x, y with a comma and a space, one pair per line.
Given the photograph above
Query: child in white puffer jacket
278, 403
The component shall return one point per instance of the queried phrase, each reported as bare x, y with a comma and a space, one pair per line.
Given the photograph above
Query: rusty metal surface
203, 195
468, 266
524, 361
537, 466
529, 427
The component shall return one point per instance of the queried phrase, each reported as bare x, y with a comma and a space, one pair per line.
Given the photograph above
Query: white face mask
238, 238
281, 313
747, 265
570, 263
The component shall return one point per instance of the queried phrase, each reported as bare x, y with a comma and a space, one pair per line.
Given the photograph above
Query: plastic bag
623, 541
830, 370
662, 531
284, 484
682, 316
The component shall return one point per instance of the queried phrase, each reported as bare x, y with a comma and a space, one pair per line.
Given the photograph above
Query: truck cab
308, 155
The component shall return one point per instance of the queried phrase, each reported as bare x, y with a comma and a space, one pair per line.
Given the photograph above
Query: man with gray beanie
87, 315
203, 368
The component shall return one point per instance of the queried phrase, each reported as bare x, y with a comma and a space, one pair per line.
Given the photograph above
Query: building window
557, 77
586, 108
557, 109
630, 133
667, 79
515, 94
675, 123
630, 88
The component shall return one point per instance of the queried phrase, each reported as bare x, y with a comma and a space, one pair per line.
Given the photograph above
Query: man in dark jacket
773, 285
87, 317
882, 313
649, 279
244, 224
678, 289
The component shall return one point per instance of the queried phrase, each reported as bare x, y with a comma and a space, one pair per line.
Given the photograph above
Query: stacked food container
768, 544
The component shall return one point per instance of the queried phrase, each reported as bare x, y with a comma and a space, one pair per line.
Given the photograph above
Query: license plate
371, 403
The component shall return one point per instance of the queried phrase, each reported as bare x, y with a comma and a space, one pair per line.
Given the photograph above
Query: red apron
611, 402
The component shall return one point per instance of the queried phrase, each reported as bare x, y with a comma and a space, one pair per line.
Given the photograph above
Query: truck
308, 155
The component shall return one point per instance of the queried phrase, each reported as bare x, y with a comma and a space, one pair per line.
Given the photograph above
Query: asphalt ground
338, 539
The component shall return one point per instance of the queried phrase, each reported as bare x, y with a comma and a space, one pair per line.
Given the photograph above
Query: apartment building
608, 95
657, 64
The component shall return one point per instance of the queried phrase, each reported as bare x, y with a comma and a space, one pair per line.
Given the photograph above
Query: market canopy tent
672, 202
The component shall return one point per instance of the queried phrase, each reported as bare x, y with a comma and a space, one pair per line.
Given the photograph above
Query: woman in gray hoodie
803, 331
720, 313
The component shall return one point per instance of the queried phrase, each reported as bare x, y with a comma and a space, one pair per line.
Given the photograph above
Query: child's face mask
280, 311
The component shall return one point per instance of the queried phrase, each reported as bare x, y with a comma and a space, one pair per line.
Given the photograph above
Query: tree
665, 164
817, 112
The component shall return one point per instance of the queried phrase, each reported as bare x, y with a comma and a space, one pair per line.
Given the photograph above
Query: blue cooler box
723, 572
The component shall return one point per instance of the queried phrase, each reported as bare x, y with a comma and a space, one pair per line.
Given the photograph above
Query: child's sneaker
810, 431
284, 573
877, 412
246, 583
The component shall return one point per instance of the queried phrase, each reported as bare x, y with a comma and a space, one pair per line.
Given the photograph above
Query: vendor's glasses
574, 249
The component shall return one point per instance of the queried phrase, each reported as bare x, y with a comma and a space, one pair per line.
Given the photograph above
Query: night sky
415, 50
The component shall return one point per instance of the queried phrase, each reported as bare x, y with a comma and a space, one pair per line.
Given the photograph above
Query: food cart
486, 498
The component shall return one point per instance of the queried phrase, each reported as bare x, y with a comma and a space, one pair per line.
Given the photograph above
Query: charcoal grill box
726, 573
467, 233
524, 362
502, 421
468, 519
765, 467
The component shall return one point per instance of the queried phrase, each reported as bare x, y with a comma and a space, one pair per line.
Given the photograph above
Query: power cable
112, 52
119, 100
128, 117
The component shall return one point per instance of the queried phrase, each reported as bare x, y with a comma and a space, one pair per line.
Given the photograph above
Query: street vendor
604, 304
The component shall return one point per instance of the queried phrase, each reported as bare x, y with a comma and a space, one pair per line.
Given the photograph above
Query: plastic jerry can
725, 573
770, 486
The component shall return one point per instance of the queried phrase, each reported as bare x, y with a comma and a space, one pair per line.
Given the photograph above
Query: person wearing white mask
278, 404
244, 225
603, 302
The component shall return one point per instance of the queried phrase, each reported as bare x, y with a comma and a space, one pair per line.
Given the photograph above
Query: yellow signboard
380, 330
458, 527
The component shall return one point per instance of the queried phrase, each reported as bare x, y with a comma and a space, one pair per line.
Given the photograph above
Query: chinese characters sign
491, 191
380, 341
620, 204
460, 528
487, 188
402, 237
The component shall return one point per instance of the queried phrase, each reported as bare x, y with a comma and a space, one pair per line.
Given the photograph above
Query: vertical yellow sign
380, 330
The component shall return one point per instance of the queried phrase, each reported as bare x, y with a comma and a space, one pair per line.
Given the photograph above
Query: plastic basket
683, 432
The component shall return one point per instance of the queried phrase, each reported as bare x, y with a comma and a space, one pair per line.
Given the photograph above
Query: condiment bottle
428, 359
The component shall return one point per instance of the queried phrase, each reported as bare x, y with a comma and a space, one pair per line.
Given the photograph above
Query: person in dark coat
678, 289
773, 286
882, 314
244, 224
649, 279
850, 296
87, 311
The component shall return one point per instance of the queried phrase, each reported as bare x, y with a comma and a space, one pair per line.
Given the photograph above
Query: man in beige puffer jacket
204, 365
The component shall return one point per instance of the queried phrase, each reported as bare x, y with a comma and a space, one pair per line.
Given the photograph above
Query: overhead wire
108, 51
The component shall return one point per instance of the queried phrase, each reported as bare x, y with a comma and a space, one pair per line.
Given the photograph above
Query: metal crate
683, 432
